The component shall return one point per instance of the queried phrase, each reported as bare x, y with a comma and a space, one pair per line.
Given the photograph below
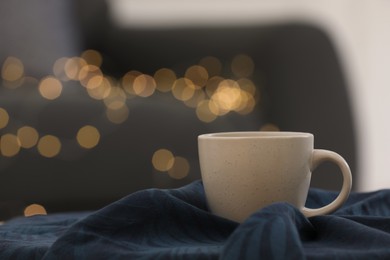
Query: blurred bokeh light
88, 136
27, 136
180, 168
4, 118
200, 86
49, 146
9, 145
34, 209
163, 160
12, 69
50, 88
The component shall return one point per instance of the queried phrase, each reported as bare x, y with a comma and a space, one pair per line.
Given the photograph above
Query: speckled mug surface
243, 172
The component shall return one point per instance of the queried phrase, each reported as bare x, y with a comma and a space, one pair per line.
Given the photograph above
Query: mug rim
255, 134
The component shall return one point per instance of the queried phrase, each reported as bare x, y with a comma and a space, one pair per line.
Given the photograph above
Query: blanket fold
176, 224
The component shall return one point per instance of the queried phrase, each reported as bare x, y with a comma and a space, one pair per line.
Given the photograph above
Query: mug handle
318, 157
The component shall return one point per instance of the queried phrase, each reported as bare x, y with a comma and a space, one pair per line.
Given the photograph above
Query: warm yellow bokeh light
100, 91
4, 118
34, 209
247, 105
247, 85
198, 96
88, 72
59, 69
88, 136
27, 136
117, 116
9, 145
116, 99
73, 67
212, 85
183, 89
180, 168
227, 97
163, 160
269, 127
144, 85
198, 75
12, 70
92, 57
213, 108
94, 82
212, 64
242, 66
127, 81
164, 79
204, 113
49, 146
50, 88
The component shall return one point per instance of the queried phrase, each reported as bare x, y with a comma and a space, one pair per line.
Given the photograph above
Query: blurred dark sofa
301, 87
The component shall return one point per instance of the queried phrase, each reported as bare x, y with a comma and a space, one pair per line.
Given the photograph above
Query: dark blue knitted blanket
175, 224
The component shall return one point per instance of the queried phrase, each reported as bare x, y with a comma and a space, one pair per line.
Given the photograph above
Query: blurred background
100, 99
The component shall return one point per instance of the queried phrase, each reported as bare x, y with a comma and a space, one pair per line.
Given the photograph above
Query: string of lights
201, 88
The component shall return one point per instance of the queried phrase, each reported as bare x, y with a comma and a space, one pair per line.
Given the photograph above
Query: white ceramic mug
243, 172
